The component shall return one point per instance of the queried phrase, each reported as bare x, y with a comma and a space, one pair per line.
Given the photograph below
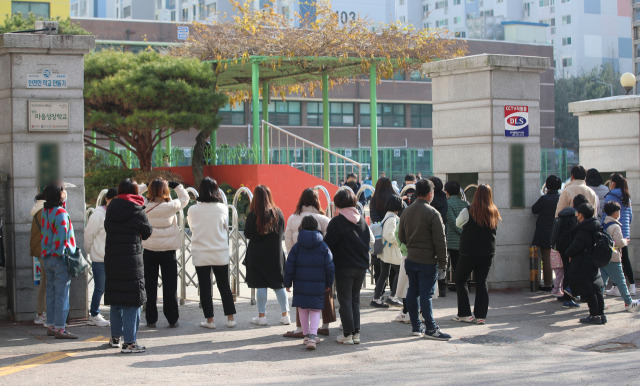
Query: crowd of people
425, 234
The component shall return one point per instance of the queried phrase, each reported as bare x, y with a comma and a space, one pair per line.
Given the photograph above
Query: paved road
528, 338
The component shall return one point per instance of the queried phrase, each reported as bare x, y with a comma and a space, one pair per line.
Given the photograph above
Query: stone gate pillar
609, 139
471, 98
41, 137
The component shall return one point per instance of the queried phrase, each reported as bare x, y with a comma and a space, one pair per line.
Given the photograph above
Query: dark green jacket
455, 206
422, 231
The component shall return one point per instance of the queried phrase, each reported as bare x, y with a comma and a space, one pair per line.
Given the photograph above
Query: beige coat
572, 189
619, 241
162, 216
391, 251
291, 232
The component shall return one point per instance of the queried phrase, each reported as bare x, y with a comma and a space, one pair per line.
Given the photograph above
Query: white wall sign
48, 115
396, 153
183, 32
47, 78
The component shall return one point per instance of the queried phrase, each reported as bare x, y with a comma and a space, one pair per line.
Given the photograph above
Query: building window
37, 8
425, 11
401, 2
456, 2
389, 115
486, 13
284, 113
565, 1
461, 34
457, 20
471, 1
211, 9
442, 23
421, 116
74, 10
173, 15
546, 3
402, 19
232, 115
126, 12
566, 19
171, 3
416, 76
340, 114
185, 14
471, 16
567, 62
566, 41
441, 4
159, 4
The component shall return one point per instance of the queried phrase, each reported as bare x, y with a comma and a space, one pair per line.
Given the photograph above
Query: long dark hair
264, 209
621, 183
483, 210
209, 191
309, 197
53, 195
384, 190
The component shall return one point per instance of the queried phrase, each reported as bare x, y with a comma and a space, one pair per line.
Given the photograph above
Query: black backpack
602, 248
562, 230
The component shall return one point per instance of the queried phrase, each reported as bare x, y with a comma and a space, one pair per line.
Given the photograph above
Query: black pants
221, 273
480, 266
166, 262
566, 265
595, 301
348, 285
626, 265
385, 270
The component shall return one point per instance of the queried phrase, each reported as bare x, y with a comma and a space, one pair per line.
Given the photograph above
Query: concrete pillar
609, 138
469, 99
40, 59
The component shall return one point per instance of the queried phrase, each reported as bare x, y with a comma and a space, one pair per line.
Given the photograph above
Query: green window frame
388, 114
285, 113
422, 116
232, 115
340, 114
39, 9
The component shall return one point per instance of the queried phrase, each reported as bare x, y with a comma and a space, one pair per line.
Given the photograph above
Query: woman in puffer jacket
160, 249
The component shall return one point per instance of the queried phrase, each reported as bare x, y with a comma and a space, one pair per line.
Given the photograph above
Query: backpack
379, 243
602, 248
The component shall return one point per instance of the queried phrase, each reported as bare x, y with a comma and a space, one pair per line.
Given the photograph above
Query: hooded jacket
291, 232
585, 277
349, 241
162, 217
545, 208
440, 204
626, 213
310, 269
568, 223
391, 252
95, 236
36, 234
618, 239
126, 225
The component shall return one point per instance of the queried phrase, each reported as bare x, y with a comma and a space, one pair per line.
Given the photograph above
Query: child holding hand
310, 270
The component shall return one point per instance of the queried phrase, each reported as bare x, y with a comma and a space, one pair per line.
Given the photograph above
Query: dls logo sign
516, 121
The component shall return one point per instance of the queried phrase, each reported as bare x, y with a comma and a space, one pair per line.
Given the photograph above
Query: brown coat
36, 234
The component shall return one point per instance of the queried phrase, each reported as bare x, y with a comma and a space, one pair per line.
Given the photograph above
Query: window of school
422, 116
232, 115
340, 114
389, 115
24, 7
284, 113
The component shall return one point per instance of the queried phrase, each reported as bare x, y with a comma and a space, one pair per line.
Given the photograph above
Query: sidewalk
528, 338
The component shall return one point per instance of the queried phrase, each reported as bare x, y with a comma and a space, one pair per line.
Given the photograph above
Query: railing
287, 148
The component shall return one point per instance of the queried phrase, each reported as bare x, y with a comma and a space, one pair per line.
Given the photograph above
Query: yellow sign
48, 115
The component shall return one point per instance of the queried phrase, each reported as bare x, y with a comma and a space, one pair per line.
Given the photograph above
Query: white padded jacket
162, 216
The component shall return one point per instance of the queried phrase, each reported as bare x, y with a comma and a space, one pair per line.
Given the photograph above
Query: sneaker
603, 318
40, 320
606, 307
591, 320
614, 291
465, 319
206, 324
260, 321
632, 289
286, 320
557, 292
634, 306
345, 339
128, 348
356, 338
403, 318
394, 301
306, 339
481, 321
174, 325
98, 320
377, 303
436, 334
231, 323
51, 331
570, 304
151, 325
311, 344
418, 333
567, 291
64, 334
114, 342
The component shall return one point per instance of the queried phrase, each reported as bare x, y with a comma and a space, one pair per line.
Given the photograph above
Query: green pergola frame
262, 71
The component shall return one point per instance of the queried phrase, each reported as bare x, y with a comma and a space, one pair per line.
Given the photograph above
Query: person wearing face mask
94, 243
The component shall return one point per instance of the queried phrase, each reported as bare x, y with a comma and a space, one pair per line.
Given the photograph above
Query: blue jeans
124, 322
614, 271
58, 282
281, 294
98, 287
422, 282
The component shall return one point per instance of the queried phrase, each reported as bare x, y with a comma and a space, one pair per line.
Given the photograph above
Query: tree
138, 100
579, 88
17, 22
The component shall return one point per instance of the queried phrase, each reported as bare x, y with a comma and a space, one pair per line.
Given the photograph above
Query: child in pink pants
310, 270
558, 272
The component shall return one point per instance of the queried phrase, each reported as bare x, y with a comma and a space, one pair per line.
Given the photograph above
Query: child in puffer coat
310, 270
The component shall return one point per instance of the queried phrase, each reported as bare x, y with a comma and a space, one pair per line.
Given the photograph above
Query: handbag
76, 263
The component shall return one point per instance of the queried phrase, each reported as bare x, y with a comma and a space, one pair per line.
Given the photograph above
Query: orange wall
286, 182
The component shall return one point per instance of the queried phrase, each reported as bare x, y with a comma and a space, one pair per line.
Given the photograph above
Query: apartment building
41, 8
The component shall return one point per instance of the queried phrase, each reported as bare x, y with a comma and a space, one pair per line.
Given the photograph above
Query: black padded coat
545, 208
126, 225
265, 256
585, 276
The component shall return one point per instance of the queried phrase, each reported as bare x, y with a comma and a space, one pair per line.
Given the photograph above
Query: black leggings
626, 265
385, 270
595, 301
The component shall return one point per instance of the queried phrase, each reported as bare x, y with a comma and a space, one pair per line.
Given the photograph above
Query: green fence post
373, 107
255, 105
265, 117
325, 124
